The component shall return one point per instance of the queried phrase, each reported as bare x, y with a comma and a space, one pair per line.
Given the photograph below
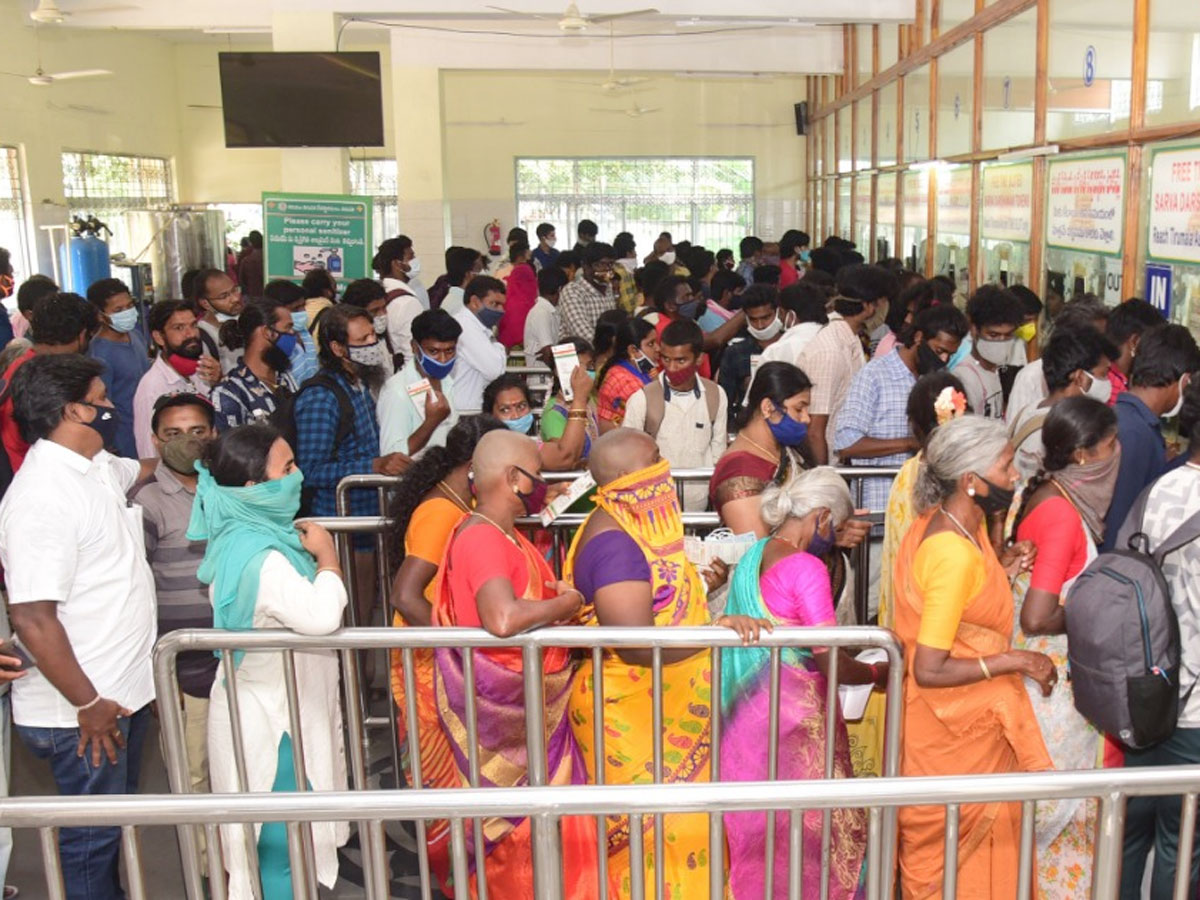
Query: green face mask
181, 452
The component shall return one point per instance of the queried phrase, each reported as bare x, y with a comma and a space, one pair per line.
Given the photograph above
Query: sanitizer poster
1175, 205
302, 232
1087, 204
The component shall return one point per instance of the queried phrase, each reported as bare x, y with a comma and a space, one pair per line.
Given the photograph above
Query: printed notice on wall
1006, 211
1086, 209
954, 201
1175, 205
302, 232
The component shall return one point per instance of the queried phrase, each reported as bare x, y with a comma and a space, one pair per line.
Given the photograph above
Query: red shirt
1057, 531
1120, 384
10, 434
788, 274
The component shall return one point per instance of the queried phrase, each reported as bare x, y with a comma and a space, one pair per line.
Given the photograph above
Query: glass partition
952, 255
885, 216
1009, 66
916, 115
1091, 54
916, 218
956, 101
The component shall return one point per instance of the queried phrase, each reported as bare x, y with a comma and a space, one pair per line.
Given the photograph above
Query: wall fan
48, 13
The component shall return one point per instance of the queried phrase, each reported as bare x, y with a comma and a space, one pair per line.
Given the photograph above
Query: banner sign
1006, 211
954, 201
302, 232
1087, 204
1175, 206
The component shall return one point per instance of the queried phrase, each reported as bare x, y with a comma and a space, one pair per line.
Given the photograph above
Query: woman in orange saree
966, 711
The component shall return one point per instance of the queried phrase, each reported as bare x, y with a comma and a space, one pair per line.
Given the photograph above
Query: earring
970, 490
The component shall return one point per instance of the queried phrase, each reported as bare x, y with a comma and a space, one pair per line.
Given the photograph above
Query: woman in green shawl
265, 571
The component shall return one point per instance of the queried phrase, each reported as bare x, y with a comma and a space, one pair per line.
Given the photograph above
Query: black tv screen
302, 99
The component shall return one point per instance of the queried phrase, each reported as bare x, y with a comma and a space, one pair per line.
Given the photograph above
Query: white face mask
381, 324
627, 264
1099, 388
414, 266
1174, 410
668, 257
765, 334
551, 241
368, 355
995, 352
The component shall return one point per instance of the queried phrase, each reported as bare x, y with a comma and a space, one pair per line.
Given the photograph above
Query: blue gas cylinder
84, 260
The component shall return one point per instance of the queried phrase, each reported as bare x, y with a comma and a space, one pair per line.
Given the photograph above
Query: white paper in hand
854, 697
566, 360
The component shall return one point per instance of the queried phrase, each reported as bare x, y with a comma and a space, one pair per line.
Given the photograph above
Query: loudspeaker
801, 110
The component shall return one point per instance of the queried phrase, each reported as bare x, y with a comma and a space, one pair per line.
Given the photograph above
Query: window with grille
240, 220
108, 185
14, 235
706, 200
377, 179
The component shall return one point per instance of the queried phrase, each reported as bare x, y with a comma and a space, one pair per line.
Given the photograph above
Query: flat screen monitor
302, 99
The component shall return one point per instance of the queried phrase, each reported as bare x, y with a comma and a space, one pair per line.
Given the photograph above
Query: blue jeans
90, 856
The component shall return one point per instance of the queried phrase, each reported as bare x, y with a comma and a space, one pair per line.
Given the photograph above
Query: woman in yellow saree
966, 711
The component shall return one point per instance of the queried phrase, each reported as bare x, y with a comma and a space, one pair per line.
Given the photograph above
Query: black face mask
928, 361
997, 501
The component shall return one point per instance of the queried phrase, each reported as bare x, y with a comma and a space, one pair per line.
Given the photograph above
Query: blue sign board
1158, 288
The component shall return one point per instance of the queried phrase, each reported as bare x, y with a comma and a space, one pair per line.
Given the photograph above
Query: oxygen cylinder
83, 259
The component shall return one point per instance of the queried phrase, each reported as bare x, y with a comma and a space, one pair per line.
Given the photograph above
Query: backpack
1123, 642
284, 418
656, 404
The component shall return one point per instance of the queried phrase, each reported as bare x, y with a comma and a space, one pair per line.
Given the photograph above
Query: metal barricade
546, 843
1112, 787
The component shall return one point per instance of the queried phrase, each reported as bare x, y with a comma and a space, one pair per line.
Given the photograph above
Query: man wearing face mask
835, 355
685, 413
120, 346
995, 315
1166, 362
253, 390
182, 426
303, 355
663, 251
81, 600
403, 305
750, 250
217, 300
763, 328
409, 422
625, 251
481, 358
584, 299
181, 365
586, 232
544, 253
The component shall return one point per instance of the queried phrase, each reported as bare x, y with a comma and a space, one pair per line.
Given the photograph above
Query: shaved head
498, 451
619, 452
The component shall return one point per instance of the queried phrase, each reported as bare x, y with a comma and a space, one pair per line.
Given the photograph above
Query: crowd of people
153, 474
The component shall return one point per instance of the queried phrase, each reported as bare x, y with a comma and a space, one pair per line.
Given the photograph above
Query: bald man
628, 563
492, 577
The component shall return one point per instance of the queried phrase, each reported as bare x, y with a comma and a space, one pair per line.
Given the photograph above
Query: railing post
1110, 833
547, 852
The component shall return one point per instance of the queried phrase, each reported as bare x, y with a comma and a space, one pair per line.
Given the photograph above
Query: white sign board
1086, 210
1006, 212
1175, 205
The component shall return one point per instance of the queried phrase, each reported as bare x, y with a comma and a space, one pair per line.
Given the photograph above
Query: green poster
302, 232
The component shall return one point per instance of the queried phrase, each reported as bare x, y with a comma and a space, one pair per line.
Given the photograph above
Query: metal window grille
13, 231
378, 179
706, 200
240, 220
107, 185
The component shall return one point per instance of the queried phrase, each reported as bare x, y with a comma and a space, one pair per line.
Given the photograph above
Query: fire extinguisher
491, 237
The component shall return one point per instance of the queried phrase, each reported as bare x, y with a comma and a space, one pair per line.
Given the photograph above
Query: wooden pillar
1136, 171
1041, 98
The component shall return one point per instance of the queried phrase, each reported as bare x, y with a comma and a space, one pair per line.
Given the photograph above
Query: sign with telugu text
1174, 221
954, 200
1006, 210
302, 232
1086, 208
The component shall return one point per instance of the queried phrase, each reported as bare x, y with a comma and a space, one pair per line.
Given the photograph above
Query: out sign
1158, 288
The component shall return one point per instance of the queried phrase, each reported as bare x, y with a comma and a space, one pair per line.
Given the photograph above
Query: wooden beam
874, 52
931, 190
899, 223
1041, 99
975, 254
1133, 177
992, 15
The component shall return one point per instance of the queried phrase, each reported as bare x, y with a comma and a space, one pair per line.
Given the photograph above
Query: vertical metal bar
131, 852
891, 760
301, 770
239, 762
862, 560
1106, 872
216, 868
473, 767
370, 833
795, 853
547, 870
458, 857
657, 725
637, 856
1025, 857
950, 854
175, 758
716, 822
599, 757
875, 871
1187, 834
298, 862
831, 722
414, 762
51, 864
773, 701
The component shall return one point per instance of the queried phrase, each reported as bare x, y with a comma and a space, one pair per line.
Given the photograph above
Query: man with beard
261, 381
180, 366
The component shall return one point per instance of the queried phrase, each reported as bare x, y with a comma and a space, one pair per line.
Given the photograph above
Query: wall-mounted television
302, 99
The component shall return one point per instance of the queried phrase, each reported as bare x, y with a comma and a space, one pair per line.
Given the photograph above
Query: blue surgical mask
124, 321
688, 310
805, 256
490, 317
644, 364
433, 368
788, 432
820, 544
286, 343
300, 319
521, 425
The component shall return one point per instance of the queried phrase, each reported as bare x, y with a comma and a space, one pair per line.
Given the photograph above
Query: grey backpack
1123, 636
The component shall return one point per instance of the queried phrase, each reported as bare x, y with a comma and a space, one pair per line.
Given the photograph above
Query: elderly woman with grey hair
966, 711
783, 579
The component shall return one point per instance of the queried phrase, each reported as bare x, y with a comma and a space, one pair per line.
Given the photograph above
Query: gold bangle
986, 673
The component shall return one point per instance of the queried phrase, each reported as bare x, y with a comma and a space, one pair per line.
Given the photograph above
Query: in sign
1089, 66
1158, 288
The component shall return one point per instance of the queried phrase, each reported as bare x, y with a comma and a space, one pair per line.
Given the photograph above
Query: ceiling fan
574, 22
47, 12
612, 84
43, 79
634, 112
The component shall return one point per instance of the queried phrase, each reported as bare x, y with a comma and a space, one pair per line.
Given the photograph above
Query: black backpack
1123, 636
284, 418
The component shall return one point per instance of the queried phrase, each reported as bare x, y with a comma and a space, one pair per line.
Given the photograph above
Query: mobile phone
11, 648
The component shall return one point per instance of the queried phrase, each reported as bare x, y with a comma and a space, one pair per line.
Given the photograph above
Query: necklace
457, 499
774, 457
959, 525
497, 526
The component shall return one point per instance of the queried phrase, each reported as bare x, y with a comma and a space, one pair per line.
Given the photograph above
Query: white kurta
286, 599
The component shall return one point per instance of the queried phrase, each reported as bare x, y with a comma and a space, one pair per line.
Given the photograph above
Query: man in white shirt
802, 306
81, 600
462, 264
181, 365
408, 421
542, 324
481, 357
683, 412
403, 304
995, 314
